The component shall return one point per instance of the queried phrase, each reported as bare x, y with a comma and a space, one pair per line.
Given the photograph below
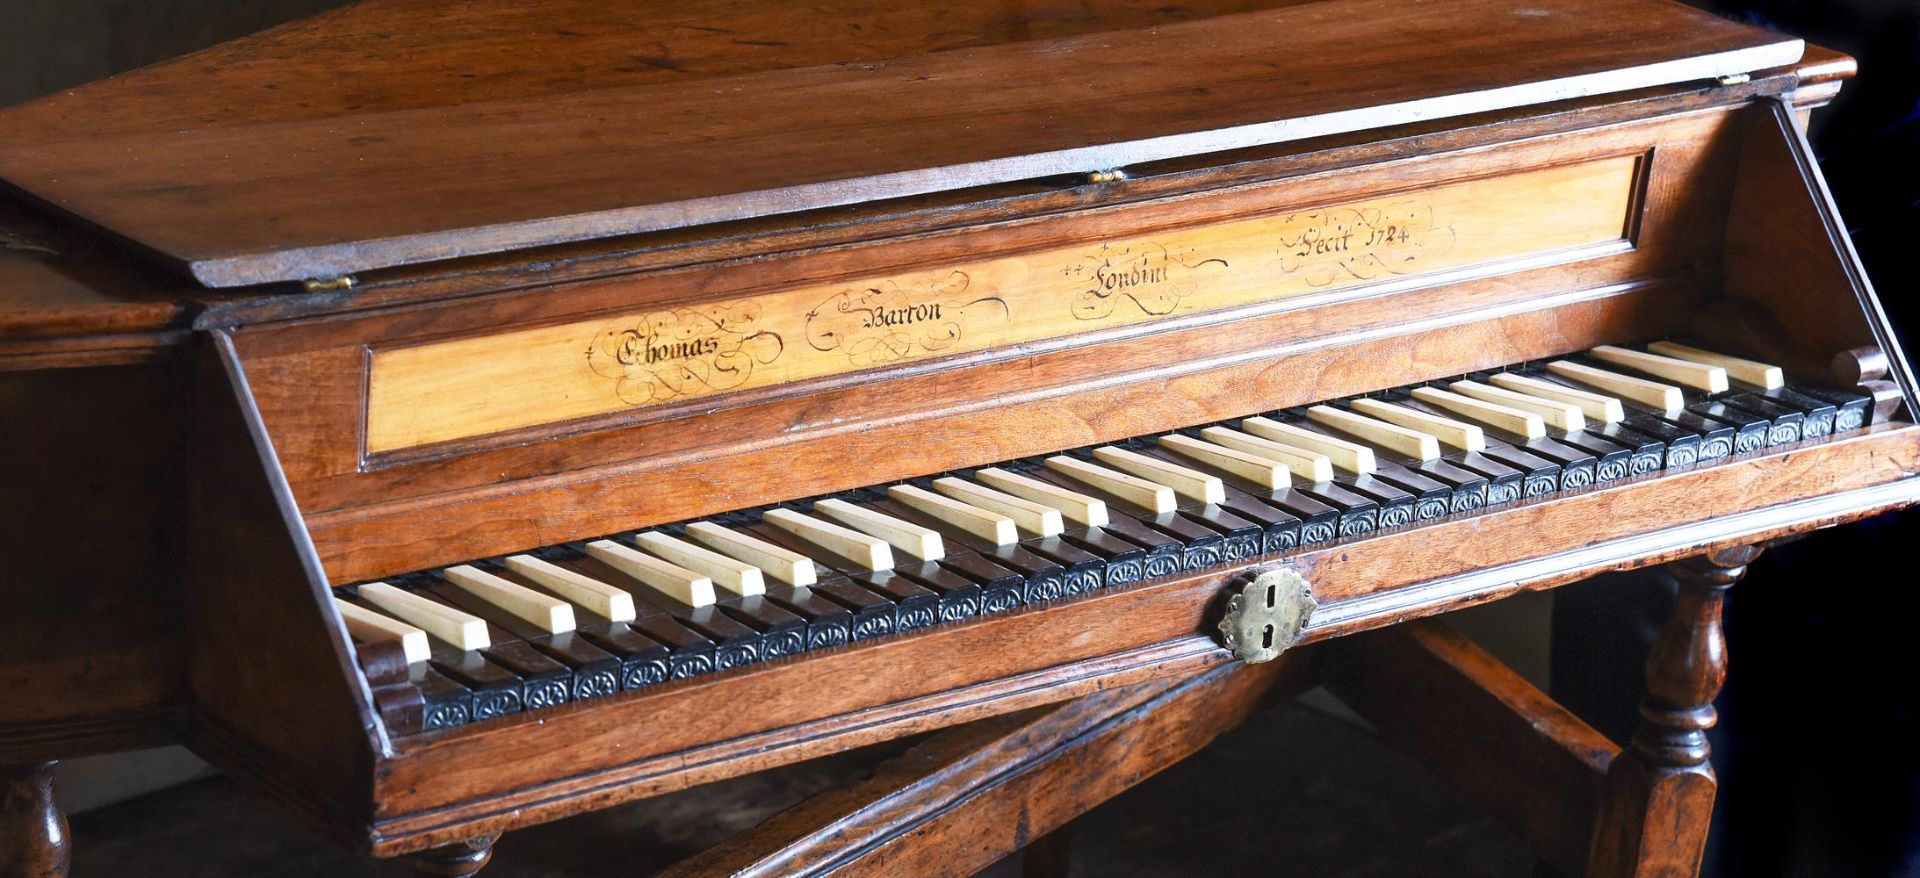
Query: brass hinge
1735, 79
1110, 175
329, 284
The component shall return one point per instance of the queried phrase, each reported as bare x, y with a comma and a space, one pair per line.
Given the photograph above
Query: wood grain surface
292, 198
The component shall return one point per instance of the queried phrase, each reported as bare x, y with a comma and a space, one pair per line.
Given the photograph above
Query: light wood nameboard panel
463, 388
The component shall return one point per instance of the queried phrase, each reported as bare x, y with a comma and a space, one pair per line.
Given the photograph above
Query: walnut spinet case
347, 299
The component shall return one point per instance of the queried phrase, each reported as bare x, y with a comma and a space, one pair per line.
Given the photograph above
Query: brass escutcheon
1268, 610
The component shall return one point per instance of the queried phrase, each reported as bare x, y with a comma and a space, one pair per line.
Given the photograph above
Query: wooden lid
403, 131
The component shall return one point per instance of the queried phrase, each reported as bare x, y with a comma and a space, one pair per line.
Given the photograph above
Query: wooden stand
33, 832
1659, 793
454, 860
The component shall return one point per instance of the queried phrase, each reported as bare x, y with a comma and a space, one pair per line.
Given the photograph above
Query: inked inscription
890, 322
1151, 277
668, 355
1345, 244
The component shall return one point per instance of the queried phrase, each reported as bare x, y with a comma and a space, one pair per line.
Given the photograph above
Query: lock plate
1265, 614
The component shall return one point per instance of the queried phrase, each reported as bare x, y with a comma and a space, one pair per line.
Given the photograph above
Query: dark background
1819, 750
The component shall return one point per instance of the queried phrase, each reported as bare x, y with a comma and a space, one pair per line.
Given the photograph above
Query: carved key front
1266, 613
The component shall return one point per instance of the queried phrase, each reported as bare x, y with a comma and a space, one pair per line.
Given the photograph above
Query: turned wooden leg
33, 832
454, 860
1658, 796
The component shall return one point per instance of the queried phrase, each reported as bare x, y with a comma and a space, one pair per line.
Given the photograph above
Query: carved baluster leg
454, 860
33, 832
1659, 792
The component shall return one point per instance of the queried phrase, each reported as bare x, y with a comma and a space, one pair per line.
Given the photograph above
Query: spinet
454, 423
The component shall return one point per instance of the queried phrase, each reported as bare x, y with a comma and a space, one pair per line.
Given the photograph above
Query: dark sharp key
1851, 410
1000, 589
643, 660
1612, 461
1784, 421
1504, 483
1750, 430
781, 632
448, 703
593, 671
873, 615
1716, 437
1084, 571
1432, 498
959, 596
1123, 562
828, 623
914, 605
1816, 415
1647, 453
689, 653
1164, 555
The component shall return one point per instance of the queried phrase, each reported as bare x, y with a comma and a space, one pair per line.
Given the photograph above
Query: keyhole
1266, 637
1272, 595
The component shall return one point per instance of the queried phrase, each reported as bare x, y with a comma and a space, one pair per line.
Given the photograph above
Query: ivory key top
1494, 415
1605, 409
1187, 482
1263, 471
1037, 519
1455, 434
1699, 376
1132, 489
672, 580
1349, 456
732, 574
778, 562
863, 551
1394, 437
1073, 505
923, 543
983, 523
596, 597
1306, 464
1553, 413
462, 630
549, 613
1746, 371
1652, 394
367, 625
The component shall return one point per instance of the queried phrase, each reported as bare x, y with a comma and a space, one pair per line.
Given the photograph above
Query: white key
1073, 505
1699, 376
549, 613
463, 630
860, 550
1456, 434
778, 562
1346, 455
1746, 371
1190, 483
1555, 414
672, 580
1137, 491
1305, 465
1393, 437
1494, 415
585, 592
371, 627
1605, 409
1263, 471
732, 574
923, 543
983, 523
1037, 519
1652, 394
